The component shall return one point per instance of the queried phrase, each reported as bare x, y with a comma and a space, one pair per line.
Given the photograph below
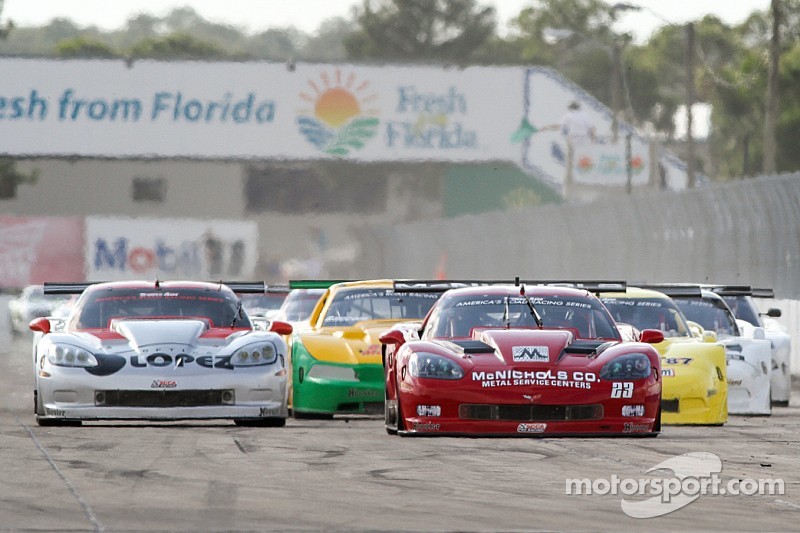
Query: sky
306, 15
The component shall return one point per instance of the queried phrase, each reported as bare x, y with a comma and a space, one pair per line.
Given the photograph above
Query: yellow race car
337, 362
693, 366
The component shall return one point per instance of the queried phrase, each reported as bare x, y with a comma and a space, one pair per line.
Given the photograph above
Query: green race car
336, 362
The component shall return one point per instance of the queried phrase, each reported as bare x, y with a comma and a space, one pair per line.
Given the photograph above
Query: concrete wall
746, 232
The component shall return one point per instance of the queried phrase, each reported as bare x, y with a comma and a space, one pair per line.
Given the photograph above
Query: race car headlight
254, 355
427, 365
631, 366
68, 355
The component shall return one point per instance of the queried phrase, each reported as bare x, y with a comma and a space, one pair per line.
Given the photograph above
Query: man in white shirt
576, 125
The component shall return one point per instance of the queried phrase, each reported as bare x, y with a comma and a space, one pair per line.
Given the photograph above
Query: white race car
749, 355
31, 303
159, 351
749, 318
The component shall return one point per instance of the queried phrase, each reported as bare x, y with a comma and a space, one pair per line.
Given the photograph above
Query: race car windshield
98, 308
712, 315
649, 313
299, 305
260, 303
743, 309
349, 307
459, 316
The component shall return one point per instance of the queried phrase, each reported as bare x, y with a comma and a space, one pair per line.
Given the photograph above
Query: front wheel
53, 422
299, 415
393, 427
390, 415
261, 422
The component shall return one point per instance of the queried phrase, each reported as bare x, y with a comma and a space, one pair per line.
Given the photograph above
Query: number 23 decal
622, 390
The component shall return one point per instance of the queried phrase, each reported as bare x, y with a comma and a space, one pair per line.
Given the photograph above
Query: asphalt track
348, 474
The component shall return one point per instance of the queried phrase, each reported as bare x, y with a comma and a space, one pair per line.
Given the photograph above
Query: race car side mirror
393, 336
41, 324
281, 328
651, 336
772, 312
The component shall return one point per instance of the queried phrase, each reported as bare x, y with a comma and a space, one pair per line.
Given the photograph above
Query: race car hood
669, 342
521, 346
137, 334
358, 344
141, 333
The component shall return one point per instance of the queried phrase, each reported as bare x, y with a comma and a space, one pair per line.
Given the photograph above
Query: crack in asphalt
87, 509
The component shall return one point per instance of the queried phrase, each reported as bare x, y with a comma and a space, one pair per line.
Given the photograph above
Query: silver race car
159, 351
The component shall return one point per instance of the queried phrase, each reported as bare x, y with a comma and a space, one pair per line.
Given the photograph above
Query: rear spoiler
245, 287
674, 290
55, 287
315, 283
743, 290
439, 285
239, 287
443, 285
730, 290
278, 289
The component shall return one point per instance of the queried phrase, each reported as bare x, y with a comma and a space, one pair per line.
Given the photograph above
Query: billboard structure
265, 111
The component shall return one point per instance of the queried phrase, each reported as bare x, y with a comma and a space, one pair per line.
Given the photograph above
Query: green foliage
177, 46
405, 31
11, 178
354, 135
85, 47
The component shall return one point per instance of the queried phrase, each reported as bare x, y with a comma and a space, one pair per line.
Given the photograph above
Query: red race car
541, 360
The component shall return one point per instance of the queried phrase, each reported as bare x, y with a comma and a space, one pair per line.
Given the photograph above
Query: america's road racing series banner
120, 248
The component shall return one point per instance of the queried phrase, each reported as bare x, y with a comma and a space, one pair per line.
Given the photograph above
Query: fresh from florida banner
152, 109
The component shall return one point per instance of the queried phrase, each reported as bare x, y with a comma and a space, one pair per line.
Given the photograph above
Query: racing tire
401, 425
299, 415
53, 422
261, 422
390, 430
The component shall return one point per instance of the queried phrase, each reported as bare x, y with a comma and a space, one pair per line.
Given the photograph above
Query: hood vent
587, 347
470, 346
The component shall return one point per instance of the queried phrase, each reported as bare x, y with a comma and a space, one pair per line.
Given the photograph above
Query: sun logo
340, 116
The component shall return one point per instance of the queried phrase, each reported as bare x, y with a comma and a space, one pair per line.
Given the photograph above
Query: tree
9, 25
85, 47
576, 38
739, 89
177, 46
10, 178
328, 42
274, 44
420, 30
